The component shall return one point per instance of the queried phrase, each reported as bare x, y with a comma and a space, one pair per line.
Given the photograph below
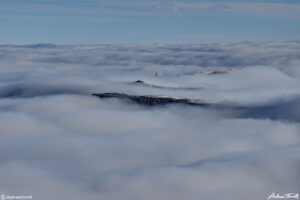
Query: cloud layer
60, 142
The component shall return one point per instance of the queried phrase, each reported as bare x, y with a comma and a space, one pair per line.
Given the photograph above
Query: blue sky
141, 21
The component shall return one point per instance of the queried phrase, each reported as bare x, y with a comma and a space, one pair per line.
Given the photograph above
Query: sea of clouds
60, 142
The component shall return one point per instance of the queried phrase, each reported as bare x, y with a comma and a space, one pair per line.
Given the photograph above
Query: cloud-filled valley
58, 141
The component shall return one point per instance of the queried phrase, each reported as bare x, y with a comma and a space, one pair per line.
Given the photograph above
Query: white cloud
60, 142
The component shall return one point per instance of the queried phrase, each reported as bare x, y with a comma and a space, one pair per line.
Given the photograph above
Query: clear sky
147, 21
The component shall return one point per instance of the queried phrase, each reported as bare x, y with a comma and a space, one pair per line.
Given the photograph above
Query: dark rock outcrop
281, 110
139, 81
150, 100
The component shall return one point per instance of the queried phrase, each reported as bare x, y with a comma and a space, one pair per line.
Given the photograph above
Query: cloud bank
60, 142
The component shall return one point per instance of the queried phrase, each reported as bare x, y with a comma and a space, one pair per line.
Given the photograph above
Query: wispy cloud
273, 10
